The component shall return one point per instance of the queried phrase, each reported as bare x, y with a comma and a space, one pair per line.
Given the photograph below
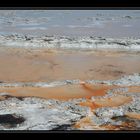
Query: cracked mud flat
46, 86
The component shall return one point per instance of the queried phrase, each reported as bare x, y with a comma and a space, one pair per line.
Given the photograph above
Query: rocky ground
31, 113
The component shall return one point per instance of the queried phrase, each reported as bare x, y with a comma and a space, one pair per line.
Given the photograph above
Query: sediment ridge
24, 41
118, 109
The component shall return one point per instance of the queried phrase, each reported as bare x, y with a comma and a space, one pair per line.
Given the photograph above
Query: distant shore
67, 42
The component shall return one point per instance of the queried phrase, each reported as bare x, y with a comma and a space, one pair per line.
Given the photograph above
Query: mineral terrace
67, 83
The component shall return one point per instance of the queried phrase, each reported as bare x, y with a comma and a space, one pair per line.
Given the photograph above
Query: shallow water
62, 92
24, 65
107, 23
